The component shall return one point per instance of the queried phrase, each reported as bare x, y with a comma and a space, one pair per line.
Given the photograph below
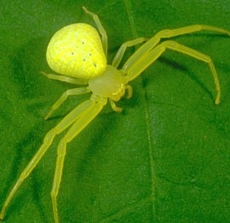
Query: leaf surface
165, 158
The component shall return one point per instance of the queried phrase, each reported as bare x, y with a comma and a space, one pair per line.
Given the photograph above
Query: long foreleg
165, 34
138, 67
65, 123
76, 128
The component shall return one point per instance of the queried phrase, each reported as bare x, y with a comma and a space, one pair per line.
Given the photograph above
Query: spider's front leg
166, 34
84, 119
65, 123
152, 50
148, 58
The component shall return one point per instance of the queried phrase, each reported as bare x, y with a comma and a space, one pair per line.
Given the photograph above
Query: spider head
110, 84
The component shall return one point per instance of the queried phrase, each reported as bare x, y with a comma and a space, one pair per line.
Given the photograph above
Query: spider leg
114, 107
62, 78
100, 28
120, 53
70, 92
154, 54
167, 33
48, 139
129, 94
87, 116
129, 90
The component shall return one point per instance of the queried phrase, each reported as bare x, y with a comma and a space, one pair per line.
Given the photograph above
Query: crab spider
78, 53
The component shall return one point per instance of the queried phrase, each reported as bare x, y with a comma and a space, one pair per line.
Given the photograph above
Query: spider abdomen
76, 51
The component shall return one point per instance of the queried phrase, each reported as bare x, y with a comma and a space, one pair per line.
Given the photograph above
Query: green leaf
165, 158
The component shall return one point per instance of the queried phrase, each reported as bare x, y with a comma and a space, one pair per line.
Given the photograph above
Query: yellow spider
78, 53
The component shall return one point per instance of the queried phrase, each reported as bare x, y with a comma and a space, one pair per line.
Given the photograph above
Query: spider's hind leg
66, 79
100, 28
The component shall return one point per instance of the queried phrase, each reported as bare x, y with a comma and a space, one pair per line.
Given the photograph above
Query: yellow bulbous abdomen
76, 51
